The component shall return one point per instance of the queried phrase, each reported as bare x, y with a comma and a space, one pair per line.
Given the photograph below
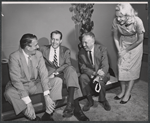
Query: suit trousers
70, 79
86, 89
12, 95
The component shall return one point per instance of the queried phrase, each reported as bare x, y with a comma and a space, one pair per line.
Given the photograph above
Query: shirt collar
26, 55
56, 49
92, 50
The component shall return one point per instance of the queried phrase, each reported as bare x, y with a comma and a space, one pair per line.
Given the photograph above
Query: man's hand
51, 76
100, 72
92, 76
56, 73
96, 79
50, 104
30, 111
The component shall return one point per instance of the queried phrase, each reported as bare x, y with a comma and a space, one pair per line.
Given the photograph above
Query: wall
143, 14
37, 19
41, 19
103, 16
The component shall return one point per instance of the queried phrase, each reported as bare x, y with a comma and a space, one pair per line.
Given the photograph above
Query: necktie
90, 57
30, 68
55, 59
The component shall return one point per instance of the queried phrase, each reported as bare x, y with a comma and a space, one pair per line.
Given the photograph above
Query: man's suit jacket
100, 61
64, 59
19, 75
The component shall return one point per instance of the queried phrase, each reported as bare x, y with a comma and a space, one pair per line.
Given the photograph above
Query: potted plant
81, 16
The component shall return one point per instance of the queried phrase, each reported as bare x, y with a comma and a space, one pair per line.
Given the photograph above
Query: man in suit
93, 65
57, 59
25, 65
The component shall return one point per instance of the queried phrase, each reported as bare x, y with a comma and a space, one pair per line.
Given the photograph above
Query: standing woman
128, 36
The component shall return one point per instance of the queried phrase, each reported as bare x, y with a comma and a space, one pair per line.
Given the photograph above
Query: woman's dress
130, 64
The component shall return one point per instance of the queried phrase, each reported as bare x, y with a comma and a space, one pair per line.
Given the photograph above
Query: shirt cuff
46, 92
27, 99
56, 73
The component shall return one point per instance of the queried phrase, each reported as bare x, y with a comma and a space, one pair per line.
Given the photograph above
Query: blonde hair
126, 9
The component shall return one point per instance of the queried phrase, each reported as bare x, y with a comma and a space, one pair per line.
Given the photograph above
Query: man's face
120, 17
88, 42
55, 40
33, 47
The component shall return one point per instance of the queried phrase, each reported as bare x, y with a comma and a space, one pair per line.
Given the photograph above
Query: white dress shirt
27, 99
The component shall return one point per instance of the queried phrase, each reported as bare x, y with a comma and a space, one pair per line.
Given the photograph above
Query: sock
89, 98
70, 97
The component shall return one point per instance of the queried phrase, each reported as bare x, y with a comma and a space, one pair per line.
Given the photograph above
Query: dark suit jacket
19, 75
100, 61
64, 59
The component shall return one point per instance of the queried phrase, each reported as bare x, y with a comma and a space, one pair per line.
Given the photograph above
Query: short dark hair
26, 40
56, 32
88, 33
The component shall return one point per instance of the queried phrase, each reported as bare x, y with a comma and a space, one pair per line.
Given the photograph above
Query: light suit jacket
19, 75
64, 59
100, 61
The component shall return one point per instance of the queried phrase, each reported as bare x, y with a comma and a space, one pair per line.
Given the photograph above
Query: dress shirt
51, 54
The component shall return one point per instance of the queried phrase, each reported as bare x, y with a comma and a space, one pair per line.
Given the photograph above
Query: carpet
135, 110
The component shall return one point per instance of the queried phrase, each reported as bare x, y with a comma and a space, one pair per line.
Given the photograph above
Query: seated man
25, 65
57, 59
93, 65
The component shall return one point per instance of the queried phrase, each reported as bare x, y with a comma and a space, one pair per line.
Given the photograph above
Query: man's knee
9, 93
83, 78
70, 69
58, 81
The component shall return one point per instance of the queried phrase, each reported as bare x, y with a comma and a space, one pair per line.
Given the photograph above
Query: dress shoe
117, 98
81, 116
106, 105
36, 119
47, 117
123, 102
87, 106
68, 111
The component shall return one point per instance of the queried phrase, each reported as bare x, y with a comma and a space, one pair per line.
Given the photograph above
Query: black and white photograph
74, 61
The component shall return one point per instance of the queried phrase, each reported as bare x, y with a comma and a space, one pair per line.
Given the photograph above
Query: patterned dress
130, 64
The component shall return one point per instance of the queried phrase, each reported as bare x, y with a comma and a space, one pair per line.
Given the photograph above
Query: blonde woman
128, 37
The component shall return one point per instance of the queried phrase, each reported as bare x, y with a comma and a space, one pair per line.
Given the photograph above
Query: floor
135, 110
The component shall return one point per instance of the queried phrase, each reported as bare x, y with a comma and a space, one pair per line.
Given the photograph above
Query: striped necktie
55, 62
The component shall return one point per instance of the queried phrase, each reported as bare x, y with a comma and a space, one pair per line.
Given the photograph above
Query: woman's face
120, 17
